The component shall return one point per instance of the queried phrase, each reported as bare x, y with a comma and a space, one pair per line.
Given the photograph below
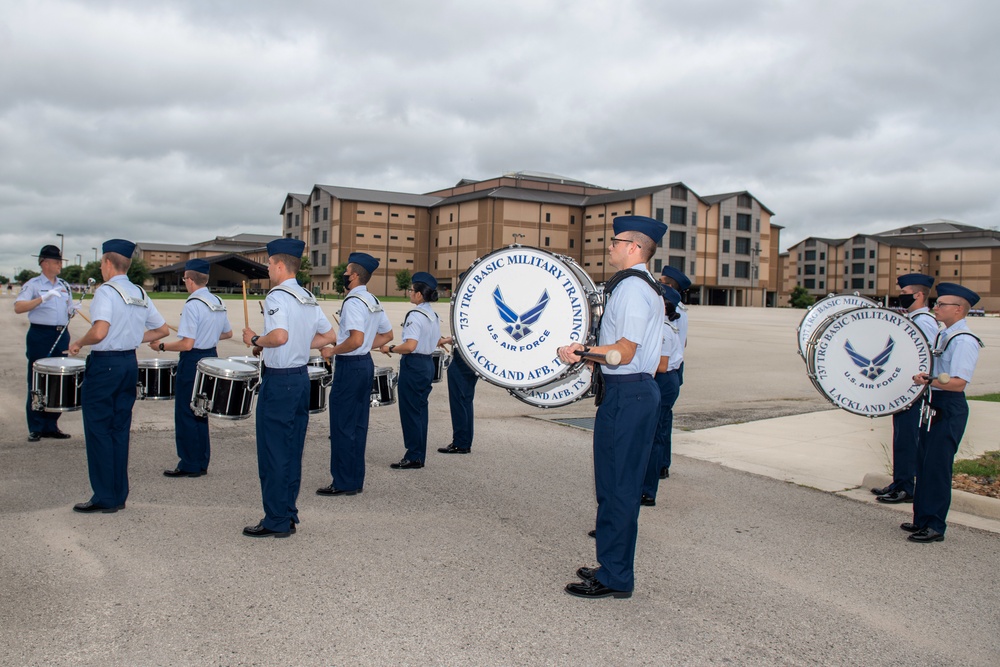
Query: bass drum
863, 360
569, 389
829, 305
514, 307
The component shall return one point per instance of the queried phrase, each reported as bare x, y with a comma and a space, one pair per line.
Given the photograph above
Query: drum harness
927, 413
69, 291
214, 307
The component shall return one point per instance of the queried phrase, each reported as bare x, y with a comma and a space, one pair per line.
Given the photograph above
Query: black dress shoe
647, 501
55, 435
452, 449
587, 573
330, 491
595, 589
260, 531
291, 527
592, 533
90, 508
894, 497
177, 472
34, 437
407, 464
926, 535
910, 527
882, 490
664, 472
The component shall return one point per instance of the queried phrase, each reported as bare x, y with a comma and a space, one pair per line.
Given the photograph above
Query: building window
659, 214
546, 241
857, 283
822, 285
726, 224
857, 268
744, 201
360, 212
572, 219
742, 269
393, 238
810, 269
822, 270
322, 259
315, 236
743, 222
297, 219
324, 236
678, 215
360, 236
394, 215
725, 270
694, 218
871, 254
326, 212
809, 283
376, 213
858, 253
725, 245
451, 218
658, 263
871, 269
377, 236
449, 243
315, 257
694, 242
548, 217
810, 255
288, 219
571, 244
743, 245
822, 255
676, 262
678, 240
316, 213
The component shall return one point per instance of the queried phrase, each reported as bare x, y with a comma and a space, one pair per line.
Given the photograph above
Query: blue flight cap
364, 260
654, 229
670, 294
425, 278
293, 247
196, 265
954, 289
682, 281
915, 279
119, 246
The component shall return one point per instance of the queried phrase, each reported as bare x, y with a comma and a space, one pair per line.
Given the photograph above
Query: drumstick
613, 357
246, 312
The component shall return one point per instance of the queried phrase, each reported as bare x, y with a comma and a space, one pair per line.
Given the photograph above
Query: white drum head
513, 309
226, 368
59, 365
863, 360
826, 307
253, 361
566, 390
157, 363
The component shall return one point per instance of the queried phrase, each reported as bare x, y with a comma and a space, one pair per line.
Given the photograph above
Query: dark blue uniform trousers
190, 430
282, 418
350, 406
38, 342
107, 396
659, 456
905, 432
623, 437
936, 451
415, 374
461, 392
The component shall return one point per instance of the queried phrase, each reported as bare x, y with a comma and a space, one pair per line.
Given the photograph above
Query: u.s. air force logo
863, 360
513, 309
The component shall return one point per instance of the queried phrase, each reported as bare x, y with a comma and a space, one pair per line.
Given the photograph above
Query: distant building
869, 263
233, 259
725, 243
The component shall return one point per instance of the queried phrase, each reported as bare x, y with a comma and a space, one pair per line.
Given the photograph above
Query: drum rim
157, 363
567, 261
798, 330
245, 373
519, 394
62, 366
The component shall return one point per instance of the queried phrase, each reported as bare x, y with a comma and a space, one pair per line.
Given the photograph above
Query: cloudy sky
175, 121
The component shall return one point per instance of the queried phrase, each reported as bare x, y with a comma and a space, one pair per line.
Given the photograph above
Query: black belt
113, 353
56, 327
298, 370
629, 377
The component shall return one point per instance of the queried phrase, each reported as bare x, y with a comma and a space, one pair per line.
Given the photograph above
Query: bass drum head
59, 366
826, 307
863, 360
566, 390
514, 307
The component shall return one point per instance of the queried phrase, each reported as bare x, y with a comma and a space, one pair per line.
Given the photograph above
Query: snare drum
514, 307
826, 307
863, 360
55, 383
319, 362
384, 387
156, 379
566, 390
253, 361
319, 380
224, 388
441, 362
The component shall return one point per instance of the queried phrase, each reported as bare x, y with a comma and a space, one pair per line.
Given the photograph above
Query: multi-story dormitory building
725, 243
869, 264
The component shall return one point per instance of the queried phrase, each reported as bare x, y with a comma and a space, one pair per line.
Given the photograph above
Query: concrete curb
961, 501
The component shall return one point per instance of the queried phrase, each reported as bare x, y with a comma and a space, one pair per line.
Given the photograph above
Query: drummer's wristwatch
253, 340
161, 347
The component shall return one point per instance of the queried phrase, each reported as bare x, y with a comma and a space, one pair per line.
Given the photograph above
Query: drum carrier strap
214, 307
307, 300
630, 273
952, 336
416, 310
376, 308
130, 300
933, 319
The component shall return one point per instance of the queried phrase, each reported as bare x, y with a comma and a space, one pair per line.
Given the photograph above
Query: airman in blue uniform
632, 325
914, 295
203, 323
461, 393
676, 279
363, 326
49, 304
956, 350
293, 325
123, 318
421, 334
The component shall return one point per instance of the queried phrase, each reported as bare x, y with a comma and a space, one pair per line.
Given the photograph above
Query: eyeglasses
617, 240
409, 289
941, 303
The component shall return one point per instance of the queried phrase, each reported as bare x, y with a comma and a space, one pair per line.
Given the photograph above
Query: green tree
304, 274
800, 298
73, 274
138, 272
4, 280
24, 275
338, 278
92, 270
403, 280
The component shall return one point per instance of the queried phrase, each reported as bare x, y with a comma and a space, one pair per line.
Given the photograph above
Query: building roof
297, 196
938, 226
625, 195
379, 196
233, 261
518, 194
165, 247
715, 199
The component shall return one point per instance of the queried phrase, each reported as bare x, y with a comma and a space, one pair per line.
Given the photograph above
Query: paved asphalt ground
464, 561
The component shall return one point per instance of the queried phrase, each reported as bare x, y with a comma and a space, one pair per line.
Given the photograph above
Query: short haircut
199, 279
923, 289
120, 262
362, 272
290, 262
647, 247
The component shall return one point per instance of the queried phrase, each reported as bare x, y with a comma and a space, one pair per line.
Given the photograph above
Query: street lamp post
517, 236
62, 240
95, 253
79, 260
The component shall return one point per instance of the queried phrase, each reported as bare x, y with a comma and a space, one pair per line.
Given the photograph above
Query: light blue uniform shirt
200, 323
671, 343
423, 327
126, 324
54, 312
926, 322
634, 312
302, 322
355, 316
960, 358
682, 336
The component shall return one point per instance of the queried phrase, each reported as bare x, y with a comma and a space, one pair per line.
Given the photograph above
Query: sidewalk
841, 453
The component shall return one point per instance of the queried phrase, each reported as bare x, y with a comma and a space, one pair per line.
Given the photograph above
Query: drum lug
140, 389
37, 401
200, 405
